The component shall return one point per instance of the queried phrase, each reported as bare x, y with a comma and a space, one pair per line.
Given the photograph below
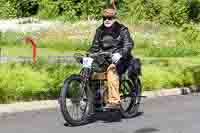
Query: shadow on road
107, 117
147, 130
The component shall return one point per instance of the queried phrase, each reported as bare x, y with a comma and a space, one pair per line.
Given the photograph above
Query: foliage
43, 81
71, 9
175, 12
7, 9
172, 12
29, 81
26, 8
48, 10
194, 12
153, 9
157, 77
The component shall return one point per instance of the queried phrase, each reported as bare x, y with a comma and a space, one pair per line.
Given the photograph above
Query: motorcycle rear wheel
130, 100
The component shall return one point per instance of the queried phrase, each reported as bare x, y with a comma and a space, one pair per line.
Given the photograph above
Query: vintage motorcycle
83, 94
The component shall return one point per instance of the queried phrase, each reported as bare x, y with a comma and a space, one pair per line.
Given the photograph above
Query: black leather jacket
114, 39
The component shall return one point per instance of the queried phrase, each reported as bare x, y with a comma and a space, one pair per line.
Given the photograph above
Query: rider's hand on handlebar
116, 57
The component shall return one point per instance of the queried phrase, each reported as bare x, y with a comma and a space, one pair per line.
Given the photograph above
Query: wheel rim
125, 97
136, 99
76, 100
128, 100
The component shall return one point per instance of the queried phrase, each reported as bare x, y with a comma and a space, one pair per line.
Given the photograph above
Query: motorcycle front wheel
74, 101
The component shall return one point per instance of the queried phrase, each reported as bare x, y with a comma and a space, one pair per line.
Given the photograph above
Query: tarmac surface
168, 114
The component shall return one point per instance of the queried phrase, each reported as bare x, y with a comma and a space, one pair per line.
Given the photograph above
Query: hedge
176, 12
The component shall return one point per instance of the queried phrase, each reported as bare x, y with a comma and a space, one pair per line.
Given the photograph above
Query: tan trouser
112, 95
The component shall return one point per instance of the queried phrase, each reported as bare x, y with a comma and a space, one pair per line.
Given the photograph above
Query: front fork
85, 75
96, 97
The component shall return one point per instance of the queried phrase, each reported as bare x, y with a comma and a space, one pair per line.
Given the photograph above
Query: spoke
72, 112
126, 97
124, 86
82, 90
77, 113
78, 100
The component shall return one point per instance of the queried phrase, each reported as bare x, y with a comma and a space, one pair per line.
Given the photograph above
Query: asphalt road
173, 114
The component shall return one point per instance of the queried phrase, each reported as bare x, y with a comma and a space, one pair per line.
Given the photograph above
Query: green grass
167, 52
29, 81
64, 45
158, 77
43, 81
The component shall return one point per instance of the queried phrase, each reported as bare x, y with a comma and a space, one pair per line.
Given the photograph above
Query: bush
157, 77
192, 71
71, 9
19, 82
194, 13
134, 10
173, 12
153, 9
176, 12
26, 81
7, 9
26, 8
48, 10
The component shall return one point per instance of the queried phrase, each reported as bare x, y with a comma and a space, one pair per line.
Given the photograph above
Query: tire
134, 100
76, 99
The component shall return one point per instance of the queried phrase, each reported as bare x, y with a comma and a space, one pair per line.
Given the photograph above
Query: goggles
108, 18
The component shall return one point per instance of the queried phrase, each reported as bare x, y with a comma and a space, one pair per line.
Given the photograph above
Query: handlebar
100, 54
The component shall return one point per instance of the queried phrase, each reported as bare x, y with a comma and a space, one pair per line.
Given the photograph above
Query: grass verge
25, 82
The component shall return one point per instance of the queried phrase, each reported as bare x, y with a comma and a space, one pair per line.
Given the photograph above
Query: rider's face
108, 21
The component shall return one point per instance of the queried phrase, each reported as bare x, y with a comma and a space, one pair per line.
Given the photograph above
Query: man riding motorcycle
115, 38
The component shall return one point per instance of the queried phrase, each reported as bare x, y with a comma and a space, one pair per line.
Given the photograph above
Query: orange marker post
34, 47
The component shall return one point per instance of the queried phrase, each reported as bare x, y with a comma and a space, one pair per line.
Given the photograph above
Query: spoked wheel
130, 97
74, 101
